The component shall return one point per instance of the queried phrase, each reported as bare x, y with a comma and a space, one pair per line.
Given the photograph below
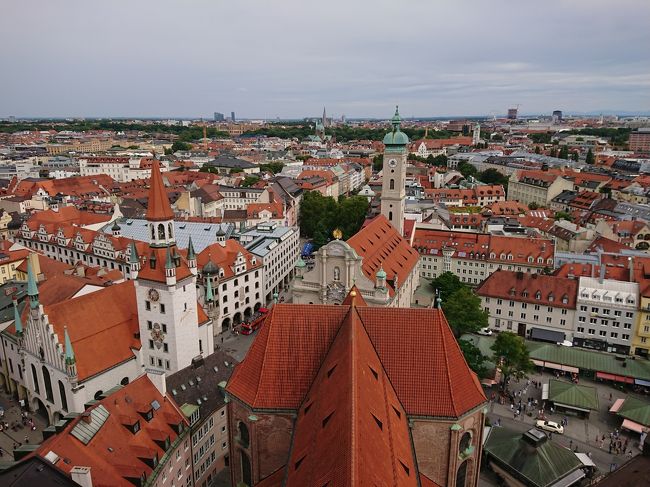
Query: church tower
476, 134
393, 188
166, 291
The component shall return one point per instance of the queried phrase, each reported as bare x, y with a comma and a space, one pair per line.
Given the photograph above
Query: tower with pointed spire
70, 360
166, 291
324, 121
393, 188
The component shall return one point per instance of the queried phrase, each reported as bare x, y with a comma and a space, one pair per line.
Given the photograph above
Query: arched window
64, 400
170, 230
390, 215
98, 395
48, 384
161, 232
461, 475
124, 381
465, 442
35, 377
392, 184
153, 231
244, 437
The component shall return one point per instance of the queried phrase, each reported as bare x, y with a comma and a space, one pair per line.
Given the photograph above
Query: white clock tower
393, 189
165, 287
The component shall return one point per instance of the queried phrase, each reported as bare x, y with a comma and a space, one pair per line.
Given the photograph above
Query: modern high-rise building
232, 116
640, 140
557, 116
512, 113
219, 117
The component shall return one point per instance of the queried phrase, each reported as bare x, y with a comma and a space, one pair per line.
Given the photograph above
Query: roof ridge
268, 336
353, 315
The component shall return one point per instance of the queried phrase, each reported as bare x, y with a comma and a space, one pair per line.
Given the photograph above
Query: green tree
446, 284
320, 215
180, 146
249, 181
467, 170
274, 167
511, 356
553, 152
493, 176
563, 215
590, 157
538, 150
464, 312
378, 162
475, 359
575, 156
351, 214
440, 160
533, 206
564, 152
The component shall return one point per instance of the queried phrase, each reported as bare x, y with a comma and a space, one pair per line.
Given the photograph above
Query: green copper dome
396, 136
301, 263
381, 273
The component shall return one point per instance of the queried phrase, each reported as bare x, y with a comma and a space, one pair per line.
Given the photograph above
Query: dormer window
565, 299
538, 295
550, 297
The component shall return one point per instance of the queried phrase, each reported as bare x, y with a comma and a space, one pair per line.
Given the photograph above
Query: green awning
635, 410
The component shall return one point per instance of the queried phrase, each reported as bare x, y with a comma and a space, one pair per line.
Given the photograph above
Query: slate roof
201, 382
231, 163
35, 471
580, 396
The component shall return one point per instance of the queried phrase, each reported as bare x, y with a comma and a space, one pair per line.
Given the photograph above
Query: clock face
153, 295
392, 163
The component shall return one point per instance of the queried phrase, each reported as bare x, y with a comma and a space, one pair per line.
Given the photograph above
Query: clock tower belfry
393, 188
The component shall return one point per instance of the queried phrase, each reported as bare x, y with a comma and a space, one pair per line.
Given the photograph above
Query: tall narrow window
161, 232
64, 399
48, 384
35, 377
392, 184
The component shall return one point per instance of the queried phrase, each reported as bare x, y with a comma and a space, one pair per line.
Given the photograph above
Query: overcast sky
289, 58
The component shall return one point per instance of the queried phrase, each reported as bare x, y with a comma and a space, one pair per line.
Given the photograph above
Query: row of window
603, 333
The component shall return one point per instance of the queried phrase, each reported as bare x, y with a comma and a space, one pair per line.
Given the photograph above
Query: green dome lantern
301, 264
396, 136
381, 273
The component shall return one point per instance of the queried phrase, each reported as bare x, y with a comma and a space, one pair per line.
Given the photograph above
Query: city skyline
288, 60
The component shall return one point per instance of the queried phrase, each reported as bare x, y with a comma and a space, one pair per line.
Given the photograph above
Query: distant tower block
476, 134
557, 116
512, 113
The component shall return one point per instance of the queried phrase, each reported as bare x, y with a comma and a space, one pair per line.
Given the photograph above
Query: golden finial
337, 234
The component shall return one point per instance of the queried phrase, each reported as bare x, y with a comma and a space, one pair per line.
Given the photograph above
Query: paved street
579, 433
16, 433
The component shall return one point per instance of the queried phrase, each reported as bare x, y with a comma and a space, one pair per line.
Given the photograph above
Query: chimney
602, 273
631, 267
81, 476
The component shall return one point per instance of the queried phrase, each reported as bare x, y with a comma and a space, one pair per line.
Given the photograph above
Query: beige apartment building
538, 187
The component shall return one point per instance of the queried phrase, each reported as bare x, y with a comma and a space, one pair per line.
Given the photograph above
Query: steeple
170, 268
32, 287
70, 360
158, 207
69, 352
191, 256
18, 321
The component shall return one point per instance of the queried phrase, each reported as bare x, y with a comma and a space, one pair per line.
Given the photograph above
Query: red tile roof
381, 245
224, 257
285, 358
351, 428
559, 292
100, 339
158, 207
114, 453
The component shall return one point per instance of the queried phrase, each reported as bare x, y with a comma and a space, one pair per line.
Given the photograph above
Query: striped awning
615, 378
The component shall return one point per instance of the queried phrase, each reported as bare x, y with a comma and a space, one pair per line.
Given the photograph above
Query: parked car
551, 426
485, 331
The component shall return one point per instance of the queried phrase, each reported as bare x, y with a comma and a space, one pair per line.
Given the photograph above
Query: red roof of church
286, 356
351, 428
158, 207
381, 245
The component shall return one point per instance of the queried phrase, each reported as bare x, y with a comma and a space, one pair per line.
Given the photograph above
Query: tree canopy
274, 167
511, 356
249, 181
446, 284
464, 311
320, 215
475, 359
493, 176
180, 146
467, 170
590, 157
